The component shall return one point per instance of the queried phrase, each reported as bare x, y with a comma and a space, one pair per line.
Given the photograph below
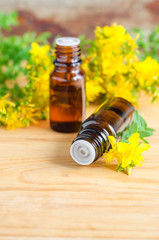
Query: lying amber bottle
109, 119
67, 88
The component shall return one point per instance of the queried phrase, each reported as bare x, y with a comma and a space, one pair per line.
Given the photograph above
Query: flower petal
143, 147
134, 139
112, 141
123, 147
126, 161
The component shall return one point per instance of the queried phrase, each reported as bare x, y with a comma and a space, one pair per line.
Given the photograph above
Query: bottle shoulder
76, 70
94, 123
67, 76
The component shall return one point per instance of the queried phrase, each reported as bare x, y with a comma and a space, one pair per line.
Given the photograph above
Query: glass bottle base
65, 127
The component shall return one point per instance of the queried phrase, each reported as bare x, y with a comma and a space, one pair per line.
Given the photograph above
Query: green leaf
43, 37
148, 45
120, 168
8, 19
143, 122
145, 133
150, 129
144, 140
133, 128
138, 125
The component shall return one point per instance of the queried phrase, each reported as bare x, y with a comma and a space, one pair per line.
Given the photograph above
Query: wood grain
44, 194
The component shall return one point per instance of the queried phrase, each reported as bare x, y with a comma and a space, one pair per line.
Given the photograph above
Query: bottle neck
93, 135
67, 56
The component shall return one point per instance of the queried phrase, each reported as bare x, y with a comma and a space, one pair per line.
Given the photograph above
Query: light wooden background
44, 194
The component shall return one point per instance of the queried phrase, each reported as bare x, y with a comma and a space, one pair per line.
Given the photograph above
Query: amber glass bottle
111, 117
67, 88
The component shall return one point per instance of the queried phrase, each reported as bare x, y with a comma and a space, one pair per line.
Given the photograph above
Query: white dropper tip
67, 41
82, 152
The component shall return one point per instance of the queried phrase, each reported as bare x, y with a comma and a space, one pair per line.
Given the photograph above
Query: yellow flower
93, 90
19, 117
28, 66
147, 72
28, 113
114, 31
38, 50
12, 119
4, 103
39, 73
39, 53
113, 53
118, 65
128, 155
120, 87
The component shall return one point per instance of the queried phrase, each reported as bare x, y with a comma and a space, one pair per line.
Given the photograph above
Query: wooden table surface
44, 194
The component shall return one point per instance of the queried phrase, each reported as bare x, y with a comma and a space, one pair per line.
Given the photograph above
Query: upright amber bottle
110, 118
67, 88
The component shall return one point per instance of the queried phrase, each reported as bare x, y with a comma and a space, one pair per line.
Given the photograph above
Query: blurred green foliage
14, 54
148, 43
8, 20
